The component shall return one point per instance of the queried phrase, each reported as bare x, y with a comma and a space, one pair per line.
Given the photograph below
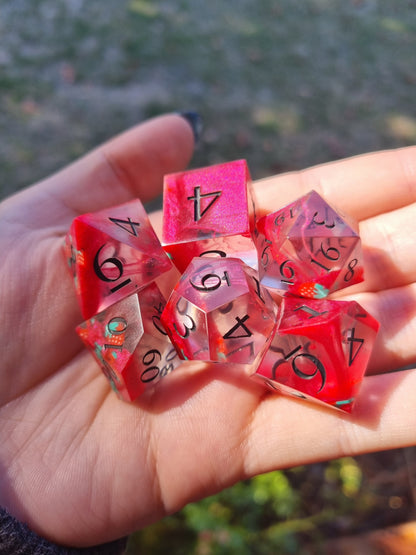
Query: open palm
80, 466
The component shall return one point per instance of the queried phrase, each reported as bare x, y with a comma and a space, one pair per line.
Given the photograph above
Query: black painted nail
195, 121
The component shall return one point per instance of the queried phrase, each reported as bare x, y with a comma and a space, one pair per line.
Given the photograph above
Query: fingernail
195, 121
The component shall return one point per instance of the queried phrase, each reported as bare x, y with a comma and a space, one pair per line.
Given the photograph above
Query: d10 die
308, 250
129, 342
320, 350
209, 210
219, 312
113, 253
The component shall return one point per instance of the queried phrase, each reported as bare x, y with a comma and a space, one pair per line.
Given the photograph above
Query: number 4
128, 225
354, 350
198, 213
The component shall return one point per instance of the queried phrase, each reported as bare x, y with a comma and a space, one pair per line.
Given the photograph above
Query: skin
82, 467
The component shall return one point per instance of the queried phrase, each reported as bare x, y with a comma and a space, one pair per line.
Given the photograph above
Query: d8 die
219, 312
129, 342
320, 350
113, 253
308, 250
209, 211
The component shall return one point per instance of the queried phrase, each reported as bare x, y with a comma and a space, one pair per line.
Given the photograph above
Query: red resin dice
308, 250
209, 211
113, 253
130, 344
219, 312
320, 350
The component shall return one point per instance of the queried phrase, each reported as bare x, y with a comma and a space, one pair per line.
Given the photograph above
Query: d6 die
308, 250
219, 312
209, 210
320, 350
113, 253
129, 342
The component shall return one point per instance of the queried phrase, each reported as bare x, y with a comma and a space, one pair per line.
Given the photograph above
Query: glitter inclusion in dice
308, 250
209, 210
320, 350
219, 312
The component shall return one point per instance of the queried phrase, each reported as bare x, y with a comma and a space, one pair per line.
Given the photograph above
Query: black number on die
331, 253
117, 265
152, 372
319, 367
198, 213
214, 286
113, 328
188, 329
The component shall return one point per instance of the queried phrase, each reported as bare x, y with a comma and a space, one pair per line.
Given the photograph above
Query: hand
80, 466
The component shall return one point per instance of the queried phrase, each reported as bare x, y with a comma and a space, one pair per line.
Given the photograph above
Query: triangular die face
113, 334
108, 270
317, 217
352, 271
152, 304
328, 249
321, 258
305, 314
129, 224
358, 332
276, 226
125, 222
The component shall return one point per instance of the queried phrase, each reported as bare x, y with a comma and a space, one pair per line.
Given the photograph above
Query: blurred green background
281, 83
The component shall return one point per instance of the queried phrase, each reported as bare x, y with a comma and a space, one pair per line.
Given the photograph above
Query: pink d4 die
308, 250
320, 350
129, 342
209, 211
111, 254
219, 312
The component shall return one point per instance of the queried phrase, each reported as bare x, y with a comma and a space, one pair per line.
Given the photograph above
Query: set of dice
252, 291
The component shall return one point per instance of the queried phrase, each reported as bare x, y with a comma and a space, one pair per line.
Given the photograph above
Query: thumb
128, 166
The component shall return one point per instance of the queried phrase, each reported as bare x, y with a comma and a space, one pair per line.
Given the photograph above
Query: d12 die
209, 210
113, 253
129, 342
308, 250
320, 350
219, 312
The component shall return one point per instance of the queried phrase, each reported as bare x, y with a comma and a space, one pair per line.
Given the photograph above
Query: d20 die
320, 351
219, 312
111, 254
130, 344
308, 250
209, 210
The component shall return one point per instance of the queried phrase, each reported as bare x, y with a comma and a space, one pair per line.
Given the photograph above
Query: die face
208, 209
219, 247
187, 327
114, 252
307, 249
112, 337
223, 278
130, 344
320, 350
219, 312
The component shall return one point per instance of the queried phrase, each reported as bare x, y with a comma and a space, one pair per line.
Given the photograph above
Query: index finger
362, 186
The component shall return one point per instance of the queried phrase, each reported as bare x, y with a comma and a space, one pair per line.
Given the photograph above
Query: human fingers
285, 432
389, 257
128, 166
395, 309
362, 186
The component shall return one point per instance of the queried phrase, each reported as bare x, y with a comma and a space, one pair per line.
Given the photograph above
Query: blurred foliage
291, 511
